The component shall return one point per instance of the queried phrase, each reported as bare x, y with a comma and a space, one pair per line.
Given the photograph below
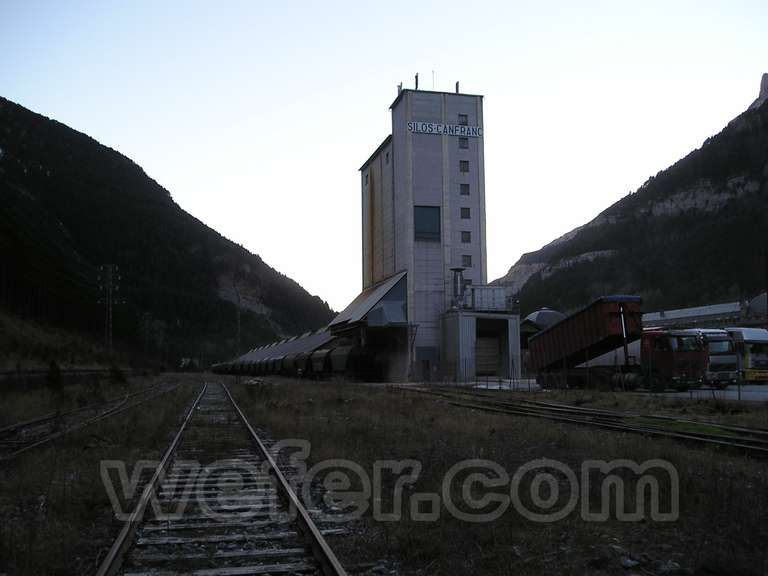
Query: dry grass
724, 497
18, 403
57, 518
29, 345
753, 414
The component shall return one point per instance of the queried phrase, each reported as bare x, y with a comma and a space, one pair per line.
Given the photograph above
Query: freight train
312, 355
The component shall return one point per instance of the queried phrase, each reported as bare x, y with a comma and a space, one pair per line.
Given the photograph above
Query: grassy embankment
56, 514
730, 412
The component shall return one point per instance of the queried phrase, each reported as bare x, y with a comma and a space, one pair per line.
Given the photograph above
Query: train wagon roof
278, 350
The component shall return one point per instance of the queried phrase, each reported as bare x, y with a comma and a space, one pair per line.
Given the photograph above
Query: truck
722, 359
752, 353
604, 345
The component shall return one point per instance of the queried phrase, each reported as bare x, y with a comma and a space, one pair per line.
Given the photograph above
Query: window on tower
463, 142
464, 189
463, 120
464, 166
426, 223
466, 261
465, 213
466, 236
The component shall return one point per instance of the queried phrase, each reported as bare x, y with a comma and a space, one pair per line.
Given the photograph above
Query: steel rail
510, 408
599, 413
113, 559
329, 564
615, 427
122, 407
752, 436
53, 415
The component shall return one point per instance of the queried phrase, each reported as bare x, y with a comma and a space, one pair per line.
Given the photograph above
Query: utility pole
146, 321
109, 283
236, 280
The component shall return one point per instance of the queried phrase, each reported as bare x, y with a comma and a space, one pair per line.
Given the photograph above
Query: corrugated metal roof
304, 343
729, 308
366, 300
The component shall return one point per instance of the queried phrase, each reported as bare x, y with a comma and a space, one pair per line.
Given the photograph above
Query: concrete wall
424, 170
427, 173
378, 217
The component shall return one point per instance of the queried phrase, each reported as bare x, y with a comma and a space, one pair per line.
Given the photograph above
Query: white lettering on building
445, 129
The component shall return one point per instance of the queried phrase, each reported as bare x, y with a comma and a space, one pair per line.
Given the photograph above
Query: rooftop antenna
417, 80
457, 86
433, 79
399, 87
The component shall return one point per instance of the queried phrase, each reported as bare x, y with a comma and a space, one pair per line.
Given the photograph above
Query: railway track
231, 513
750, 440
21, 437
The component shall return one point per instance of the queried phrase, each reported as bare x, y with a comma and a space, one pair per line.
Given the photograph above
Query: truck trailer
604, 345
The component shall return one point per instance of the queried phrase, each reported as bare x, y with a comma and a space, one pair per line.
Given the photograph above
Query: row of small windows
426, 223
463, 165
463, 187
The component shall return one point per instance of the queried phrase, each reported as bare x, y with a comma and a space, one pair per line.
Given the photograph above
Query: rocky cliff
695, 233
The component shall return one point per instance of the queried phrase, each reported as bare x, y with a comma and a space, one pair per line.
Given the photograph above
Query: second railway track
748, 440
235, 512
21, 437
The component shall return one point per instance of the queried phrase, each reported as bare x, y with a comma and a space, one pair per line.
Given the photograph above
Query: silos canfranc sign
445, 129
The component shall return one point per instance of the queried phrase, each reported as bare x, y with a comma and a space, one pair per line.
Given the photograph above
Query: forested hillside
71, 205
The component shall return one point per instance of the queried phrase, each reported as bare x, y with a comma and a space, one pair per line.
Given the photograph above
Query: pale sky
256, 115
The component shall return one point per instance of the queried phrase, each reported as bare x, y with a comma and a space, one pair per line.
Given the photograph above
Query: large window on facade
426, 223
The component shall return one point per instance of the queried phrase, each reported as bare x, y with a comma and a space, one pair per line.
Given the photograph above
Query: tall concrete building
426, 311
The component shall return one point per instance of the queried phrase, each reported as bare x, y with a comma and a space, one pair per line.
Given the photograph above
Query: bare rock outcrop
763, 93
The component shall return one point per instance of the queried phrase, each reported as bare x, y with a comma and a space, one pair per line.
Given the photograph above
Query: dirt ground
719, 528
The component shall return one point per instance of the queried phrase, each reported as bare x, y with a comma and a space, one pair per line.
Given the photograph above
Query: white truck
752, 349
723, 361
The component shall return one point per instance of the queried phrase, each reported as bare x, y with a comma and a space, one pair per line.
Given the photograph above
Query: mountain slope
695, 233
70, 204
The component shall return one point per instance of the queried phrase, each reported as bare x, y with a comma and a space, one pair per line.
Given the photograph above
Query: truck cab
673, 357
752, 350
722, 361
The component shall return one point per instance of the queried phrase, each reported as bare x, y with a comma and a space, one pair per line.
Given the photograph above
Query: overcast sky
256, 115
